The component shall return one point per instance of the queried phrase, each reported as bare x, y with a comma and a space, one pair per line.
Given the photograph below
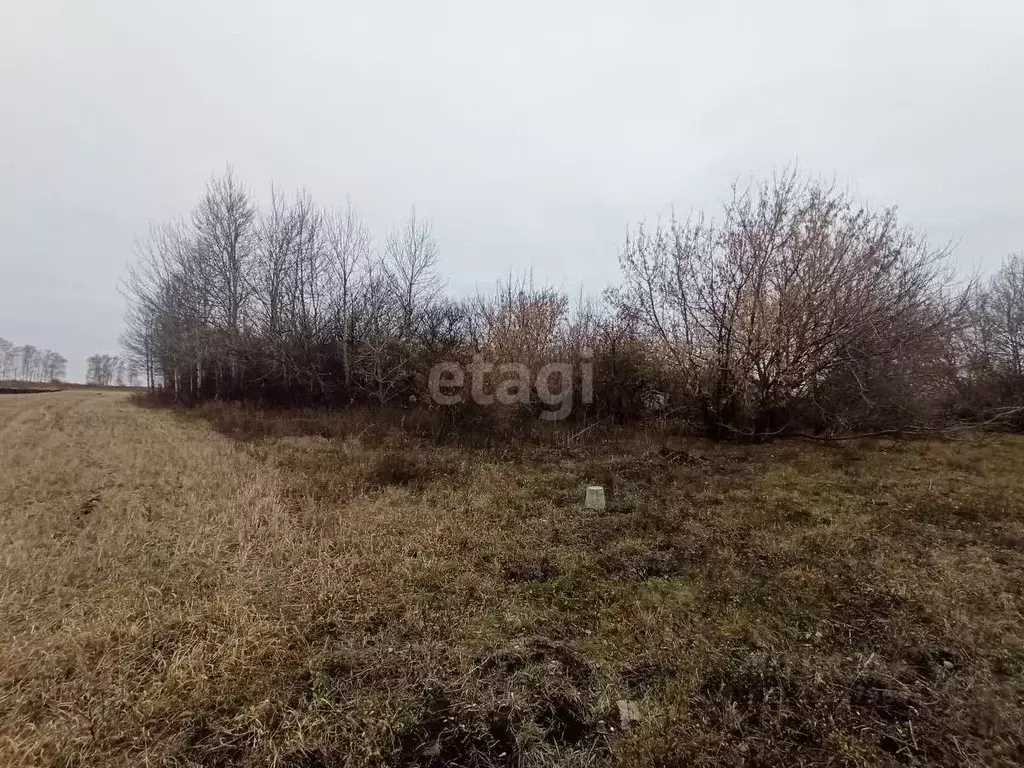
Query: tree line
30, 363
102, 370
797, 309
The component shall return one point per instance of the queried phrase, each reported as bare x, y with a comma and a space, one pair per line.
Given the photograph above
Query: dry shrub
797, 292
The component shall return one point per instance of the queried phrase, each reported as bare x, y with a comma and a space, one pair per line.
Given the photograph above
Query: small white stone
629, 712
595, 497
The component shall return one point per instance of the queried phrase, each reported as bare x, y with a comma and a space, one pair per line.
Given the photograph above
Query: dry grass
318, 590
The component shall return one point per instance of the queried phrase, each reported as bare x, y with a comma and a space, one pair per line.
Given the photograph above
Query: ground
219, 587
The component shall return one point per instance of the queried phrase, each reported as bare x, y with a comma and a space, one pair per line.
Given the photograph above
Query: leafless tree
102, 370
286, 303
798, 309
410, 270
29, 362
223, 240
349, 249
6, 359
55, 366
991, 350
1001, 318
797, 286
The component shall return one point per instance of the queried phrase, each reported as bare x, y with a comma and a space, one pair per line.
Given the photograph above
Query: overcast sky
531, 133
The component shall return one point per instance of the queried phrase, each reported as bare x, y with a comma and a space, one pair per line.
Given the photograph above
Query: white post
595, 497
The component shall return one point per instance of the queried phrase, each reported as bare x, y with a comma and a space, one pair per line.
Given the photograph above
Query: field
218, 587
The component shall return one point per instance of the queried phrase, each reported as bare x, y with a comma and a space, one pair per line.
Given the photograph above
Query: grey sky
531, 133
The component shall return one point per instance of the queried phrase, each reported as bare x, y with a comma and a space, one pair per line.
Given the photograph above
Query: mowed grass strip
226, 587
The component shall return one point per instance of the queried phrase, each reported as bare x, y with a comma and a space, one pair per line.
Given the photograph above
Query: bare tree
1003, 317
6, 359
223, 226
991, 348
102, 370
54, 366
798, 286
348, 245
798, 309
290, 286
29, 361
410, 269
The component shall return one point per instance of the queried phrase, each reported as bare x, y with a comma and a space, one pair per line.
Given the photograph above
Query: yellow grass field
222, 587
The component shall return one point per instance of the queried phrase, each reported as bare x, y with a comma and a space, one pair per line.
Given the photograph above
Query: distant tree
92, 369
29, 356
54, 365
17, 356
102, 370
132, 373
6, 359
30, 363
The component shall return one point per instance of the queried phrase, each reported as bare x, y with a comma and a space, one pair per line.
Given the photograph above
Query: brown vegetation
800, 311
15, 386
222, 586
24, 387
